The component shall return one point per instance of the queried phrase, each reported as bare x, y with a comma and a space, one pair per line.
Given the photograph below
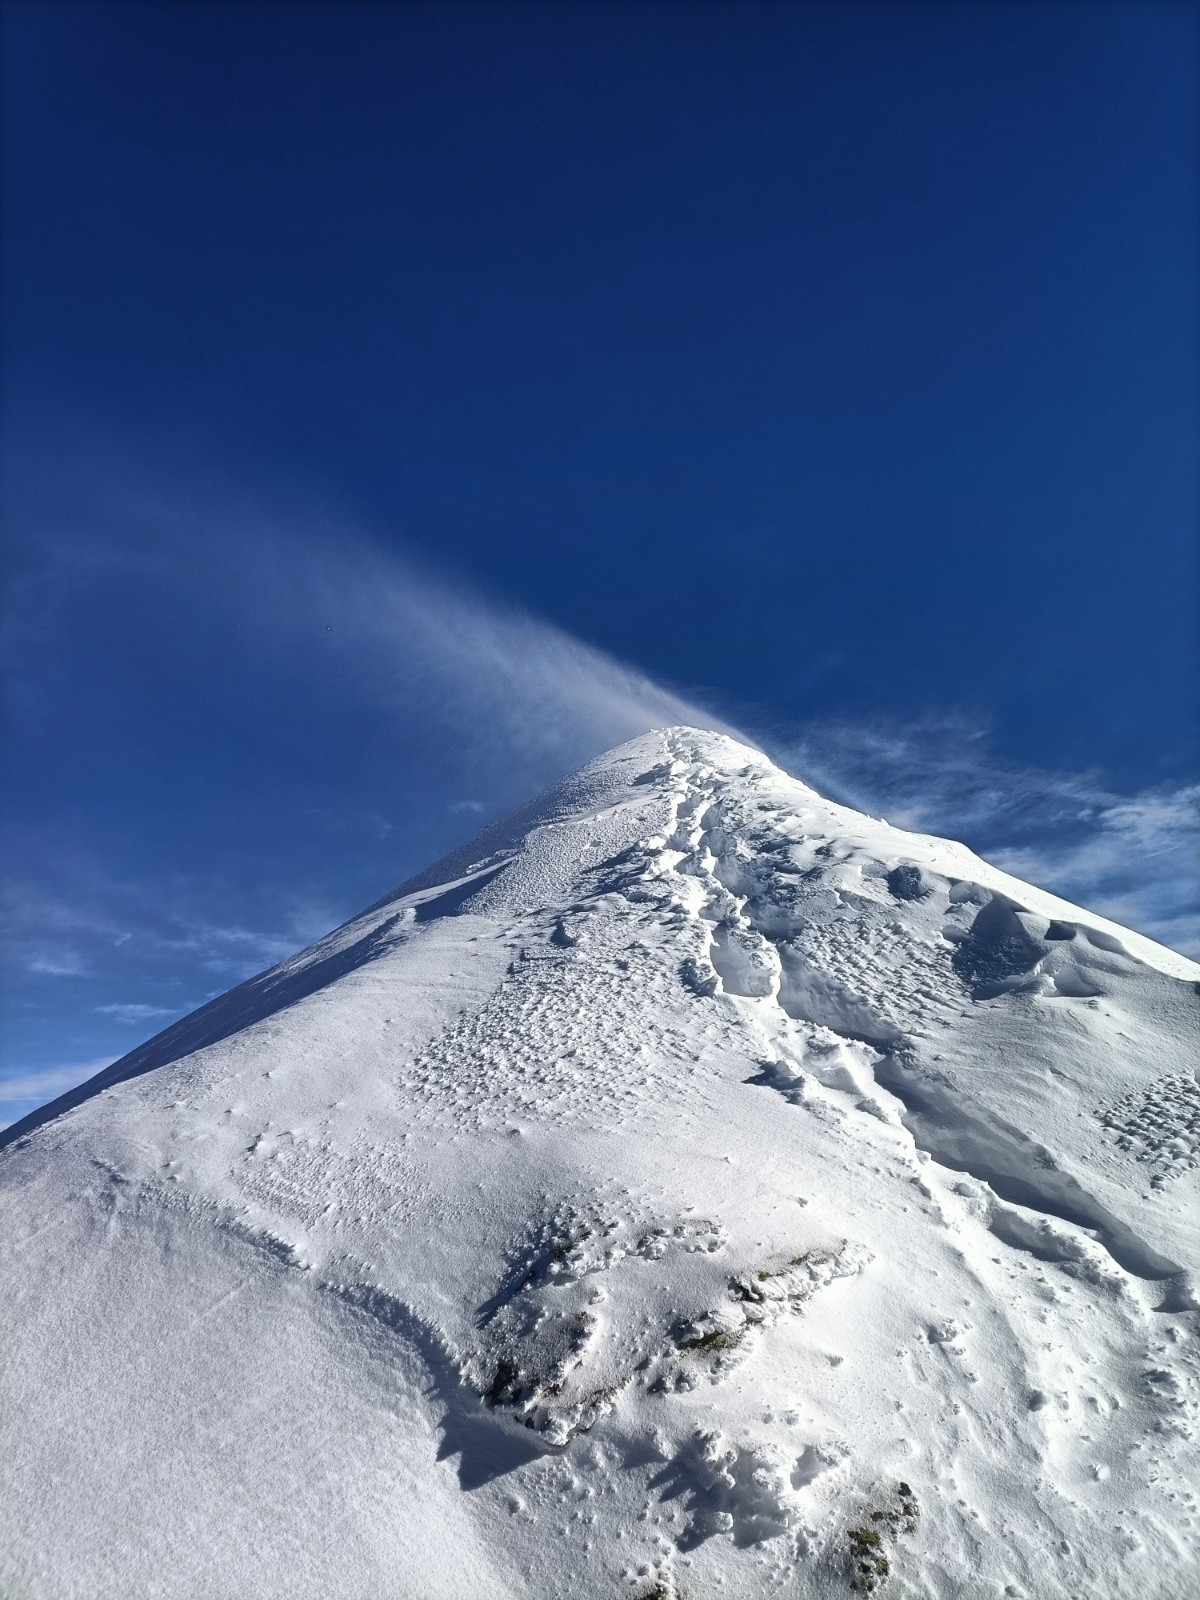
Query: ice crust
689, 1187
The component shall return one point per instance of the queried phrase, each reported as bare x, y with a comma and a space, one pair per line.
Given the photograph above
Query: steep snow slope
692, 1186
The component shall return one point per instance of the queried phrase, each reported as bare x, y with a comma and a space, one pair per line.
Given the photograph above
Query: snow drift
689, 1187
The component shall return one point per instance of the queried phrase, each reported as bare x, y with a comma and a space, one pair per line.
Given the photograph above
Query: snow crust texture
690, 1188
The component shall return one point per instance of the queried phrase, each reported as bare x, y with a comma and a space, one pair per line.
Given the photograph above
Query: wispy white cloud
64, 964
24, 1091
50, 935
1137, 864
153, 921
1134, 858
133, 1012
229, 949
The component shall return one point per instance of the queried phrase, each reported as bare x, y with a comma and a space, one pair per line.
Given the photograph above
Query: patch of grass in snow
716, 1339
870, 1543
767, 1273
810, 1258
868, 1563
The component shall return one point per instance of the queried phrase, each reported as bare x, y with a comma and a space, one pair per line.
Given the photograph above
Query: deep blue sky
834, 364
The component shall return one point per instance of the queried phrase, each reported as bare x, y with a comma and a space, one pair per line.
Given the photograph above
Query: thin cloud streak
133, 1012
150, 921
23, 1092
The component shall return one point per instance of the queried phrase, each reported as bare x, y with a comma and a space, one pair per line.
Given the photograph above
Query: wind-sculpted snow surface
692, 1188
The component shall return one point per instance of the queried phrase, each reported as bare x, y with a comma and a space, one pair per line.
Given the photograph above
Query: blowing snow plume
226, 730
500, 681
291, 603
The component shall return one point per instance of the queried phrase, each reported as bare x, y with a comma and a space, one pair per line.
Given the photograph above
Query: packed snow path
691, 1187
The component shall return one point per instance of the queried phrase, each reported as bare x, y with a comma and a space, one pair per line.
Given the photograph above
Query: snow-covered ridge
690, 1186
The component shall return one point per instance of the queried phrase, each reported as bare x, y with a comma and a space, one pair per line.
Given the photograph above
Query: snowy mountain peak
690, 1185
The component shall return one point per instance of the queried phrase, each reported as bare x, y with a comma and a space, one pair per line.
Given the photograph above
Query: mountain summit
690, 1187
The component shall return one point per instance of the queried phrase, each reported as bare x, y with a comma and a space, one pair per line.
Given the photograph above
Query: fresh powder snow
691, 1187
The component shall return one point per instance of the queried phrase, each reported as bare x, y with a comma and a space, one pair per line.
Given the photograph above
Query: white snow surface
692, 1187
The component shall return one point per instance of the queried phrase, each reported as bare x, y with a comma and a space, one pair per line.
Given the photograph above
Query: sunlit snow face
751, 1188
